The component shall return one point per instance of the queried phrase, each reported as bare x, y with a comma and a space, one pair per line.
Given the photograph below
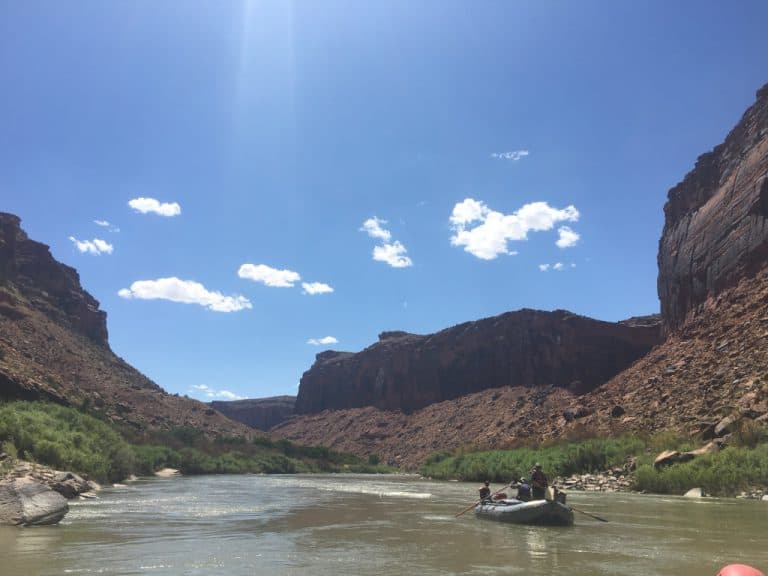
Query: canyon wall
716, 220
526, 348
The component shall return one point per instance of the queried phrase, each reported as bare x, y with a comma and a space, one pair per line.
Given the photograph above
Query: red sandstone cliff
525, 348
716, 219
53, 346
49, 286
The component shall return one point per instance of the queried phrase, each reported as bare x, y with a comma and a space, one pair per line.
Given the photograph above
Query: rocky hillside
53, 346
712, 369
261, 413
528, 348
715, 366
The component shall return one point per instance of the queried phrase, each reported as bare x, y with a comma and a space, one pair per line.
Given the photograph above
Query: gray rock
25, 502
694, 493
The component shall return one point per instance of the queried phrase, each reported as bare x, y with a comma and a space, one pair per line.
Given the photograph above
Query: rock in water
25, 502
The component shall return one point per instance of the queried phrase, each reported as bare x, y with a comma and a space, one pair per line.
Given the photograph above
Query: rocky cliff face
528, 348
50, 286
716, 220
261, 413
53, 346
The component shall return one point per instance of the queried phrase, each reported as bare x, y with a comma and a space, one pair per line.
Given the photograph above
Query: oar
468, 508
550, 496
588, 514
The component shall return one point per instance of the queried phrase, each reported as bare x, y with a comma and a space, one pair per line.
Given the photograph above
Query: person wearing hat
523, 490
485, 492
538, 482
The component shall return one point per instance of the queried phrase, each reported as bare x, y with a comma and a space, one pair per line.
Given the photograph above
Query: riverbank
663, 464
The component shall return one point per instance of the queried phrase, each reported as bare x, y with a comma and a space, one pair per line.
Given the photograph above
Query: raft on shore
542, 512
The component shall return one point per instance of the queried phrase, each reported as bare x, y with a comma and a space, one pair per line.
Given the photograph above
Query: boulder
725, 425
25, 502
694, 493
70, 485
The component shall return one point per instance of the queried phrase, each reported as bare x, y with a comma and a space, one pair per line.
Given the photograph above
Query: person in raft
523, 490
538, 482
485, 492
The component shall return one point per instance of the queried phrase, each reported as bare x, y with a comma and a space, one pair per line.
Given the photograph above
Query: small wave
377, 491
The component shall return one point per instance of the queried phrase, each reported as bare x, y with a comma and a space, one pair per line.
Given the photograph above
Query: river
341, 524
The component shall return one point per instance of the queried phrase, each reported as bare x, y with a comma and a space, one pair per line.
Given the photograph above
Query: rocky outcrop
528, 348
259, 413
50, 286
716, 220
53, 346
26, 502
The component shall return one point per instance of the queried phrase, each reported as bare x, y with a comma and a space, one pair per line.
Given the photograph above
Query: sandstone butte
712, 364
497, 382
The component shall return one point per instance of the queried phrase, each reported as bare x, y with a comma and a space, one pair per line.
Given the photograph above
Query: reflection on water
341, 524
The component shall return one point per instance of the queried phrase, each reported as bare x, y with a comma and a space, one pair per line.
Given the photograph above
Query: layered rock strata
527, 348
716, 220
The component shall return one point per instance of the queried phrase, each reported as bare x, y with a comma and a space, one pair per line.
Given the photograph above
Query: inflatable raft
545, 512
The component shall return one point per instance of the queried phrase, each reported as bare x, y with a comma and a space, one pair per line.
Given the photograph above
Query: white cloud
95, 246
392, 254
184, 291
374, 229
269, 276
485, 233
106, 224
145, 205
208, 392
322, 341
313, 288
514, 155
557, 266
568, 237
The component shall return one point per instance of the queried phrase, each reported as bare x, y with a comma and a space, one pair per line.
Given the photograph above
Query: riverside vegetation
68, 439
743, 465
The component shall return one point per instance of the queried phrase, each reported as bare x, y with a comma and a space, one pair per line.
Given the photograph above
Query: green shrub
724, 473
65, 438
9, 448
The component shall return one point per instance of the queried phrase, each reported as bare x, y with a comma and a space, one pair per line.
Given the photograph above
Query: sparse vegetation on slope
65, 438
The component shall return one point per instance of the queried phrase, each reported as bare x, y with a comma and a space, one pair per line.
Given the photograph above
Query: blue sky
245, 184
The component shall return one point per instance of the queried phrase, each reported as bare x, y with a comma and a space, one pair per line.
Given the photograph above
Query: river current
348, 524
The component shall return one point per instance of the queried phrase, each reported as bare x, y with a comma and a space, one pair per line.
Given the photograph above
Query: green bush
724, 473
65, 438
9, 448
584, 456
